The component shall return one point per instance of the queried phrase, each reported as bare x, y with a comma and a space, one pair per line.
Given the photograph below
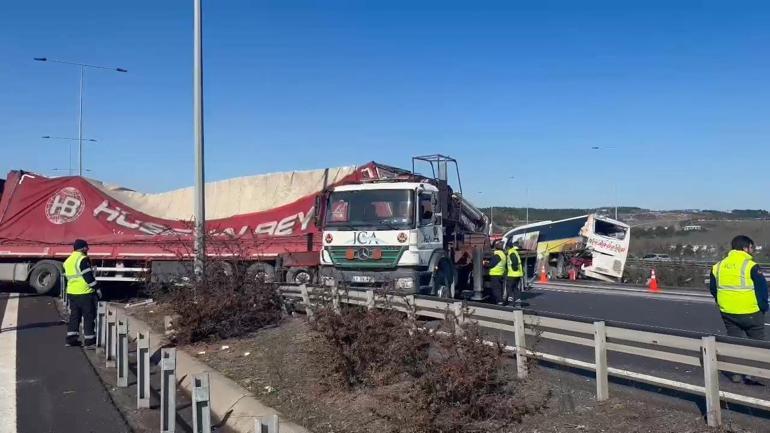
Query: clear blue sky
678, 93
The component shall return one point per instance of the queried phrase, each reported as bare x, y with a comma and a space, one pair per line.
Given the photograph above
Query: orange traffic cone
573, 274
653, 282
543, 276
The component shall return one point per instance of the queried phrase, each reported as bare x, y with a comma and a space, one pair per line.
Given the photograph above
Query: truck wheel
261, 272
223, 267
45, 276
299, 276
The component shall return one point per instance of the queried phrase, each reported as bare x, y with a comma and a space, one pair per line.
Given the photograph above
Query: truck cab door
430, 233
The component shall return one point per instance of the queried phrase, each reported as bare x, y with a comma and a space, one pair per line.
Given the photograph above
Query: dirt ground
278, 366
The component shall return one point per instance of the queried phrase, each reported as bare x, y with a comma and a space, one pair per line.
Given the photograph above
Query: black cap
79, 244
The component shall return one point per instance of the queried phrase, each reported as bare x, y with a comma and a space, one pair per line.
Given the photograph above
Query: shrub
371, 348
468, 385
219, 305
446, 381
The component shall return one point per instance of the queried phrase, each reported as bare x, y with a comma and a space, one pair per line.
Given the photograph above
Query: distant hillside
506, 218
707, 236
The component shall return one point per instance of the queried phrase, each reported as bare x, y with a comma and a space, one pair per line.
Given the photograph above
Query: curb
229, 401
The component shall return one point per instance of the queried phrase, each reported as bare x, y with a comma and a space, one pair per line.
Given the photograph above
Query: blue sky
676, 93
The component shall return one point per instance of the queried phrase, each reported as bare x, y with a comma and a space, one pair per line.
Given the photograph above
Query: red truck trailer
134, 235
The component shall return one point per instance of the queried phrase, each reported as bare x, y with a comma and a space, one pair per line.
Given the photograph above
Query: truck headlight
329, 281
405, 283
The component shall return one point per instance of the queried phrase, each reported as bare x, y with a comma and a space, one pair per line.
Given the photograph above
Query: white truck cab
381, 233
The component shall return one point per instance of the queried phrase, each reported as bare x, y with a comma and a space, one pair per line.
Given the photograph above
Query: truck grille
365, 257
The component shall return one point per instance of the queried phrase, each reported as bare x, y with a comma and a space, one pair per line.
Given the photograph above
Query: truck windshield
385, 209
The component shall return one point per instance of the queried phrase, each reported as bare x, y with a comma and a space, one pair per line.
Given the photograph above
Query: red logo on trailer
65, 206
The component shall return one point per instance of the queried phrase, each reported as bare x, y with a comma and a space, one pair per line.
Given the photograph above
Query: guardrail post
64, 296
168, 390
63, 287
370, 299
271, 422
122, 353
711, 380
600, 349
458, 312
201, 407
142, 370
306, 300
100, 312
109, 343
521, 346
336, 300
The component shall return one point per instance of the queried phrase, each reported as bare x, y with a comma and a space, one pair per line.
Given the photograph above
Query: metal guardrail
713, 354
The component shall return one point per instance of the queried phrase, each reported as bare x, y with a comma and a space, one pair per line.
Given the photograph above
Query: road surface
697, 316
44, 386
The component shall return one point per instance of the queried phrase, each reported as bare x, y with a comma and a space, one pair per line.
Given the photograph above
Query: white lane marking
8, 365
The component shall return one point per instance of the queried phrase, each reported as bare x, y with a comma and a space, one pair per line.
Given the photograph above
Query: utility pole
200, 187
82, 67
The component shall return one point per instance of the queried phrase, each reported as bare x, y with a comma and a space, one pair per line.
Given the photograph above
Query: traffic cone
543, 276
653, 282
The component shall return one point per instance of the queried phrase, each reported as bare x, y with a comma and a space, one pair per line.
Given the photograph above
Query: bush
446, 381
368, 348
468, 385
218, 306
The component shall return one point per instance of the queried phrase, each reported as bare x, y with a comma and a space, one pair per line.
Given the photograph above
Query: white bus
591, 246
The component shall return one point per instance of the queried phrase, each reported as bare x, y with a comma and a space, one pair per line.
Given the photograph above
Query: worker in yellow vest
740, 290
82, 294
498, 266
515, 272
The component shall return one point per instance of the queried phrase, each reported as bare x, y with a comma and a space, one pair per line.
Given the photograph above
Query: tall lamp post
83, 67
614, 182
69, 148
200, 192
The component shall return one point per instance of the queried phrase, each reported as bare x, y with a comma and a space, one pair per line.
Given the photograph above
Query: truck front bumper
405, 281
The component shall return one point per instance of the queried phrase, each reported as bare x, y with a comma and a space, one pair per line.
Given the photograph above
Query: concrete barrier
228, 400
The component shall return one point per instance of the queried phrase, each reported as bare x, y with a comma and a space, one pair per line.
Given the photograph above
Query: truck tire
261, 272
45, 276
299, 276
224, 268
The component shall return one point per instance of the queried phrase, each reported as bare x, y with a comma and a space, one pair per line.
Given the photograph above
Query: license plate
362, 279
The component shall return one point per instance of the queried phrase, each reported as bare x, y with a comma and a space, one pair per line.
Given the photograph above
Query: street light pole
80, 123
200, 188
80, 140
83, 67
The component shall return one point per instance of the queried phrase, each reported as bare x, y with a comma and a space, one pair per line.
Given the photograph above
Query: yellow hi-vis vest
500, 267
76, 284
513, 257
735, 289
